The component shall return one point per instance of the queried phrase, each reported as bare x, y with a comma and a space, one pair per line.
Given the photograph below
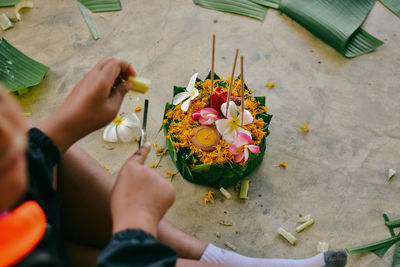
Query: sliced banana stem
288, 236
303, 226
225, 193
322, 247
304, 218
244, 189
229, 245
5, 22
21, 5
140, 84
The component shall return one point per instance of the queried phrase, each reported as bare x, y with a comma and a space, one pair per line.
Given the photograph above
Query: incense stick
212, 69
242, 83
231, 82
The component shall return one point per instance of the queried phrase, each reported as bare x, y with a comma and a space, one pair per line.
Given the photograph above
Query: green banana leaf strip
386, 218
382, 251
18, 71
102, 5
336, 22
214, 175
396, 255
4, 3
376, 246
268, 3
392, 5
241, 7
89, 22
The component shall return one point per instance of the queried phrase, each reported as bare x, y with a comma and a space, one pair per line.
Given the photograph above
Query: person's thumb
140, 155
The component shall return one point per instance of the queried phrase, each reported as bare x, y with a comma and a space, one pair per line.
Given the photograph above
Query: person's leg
86, 187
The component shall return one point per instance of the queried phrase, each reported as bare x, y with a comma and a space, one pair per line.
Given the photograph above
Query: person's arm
139, 200
94, 102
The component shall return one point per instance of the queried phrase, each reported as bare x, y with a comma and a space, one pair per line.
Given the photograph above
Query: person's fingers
112, 73
117, 93
101, 63
141, 155
127, 70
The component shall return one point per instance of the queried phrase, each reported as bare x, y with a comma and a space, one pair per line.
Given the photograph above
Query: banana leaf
396, 255
214, 175
102, 5
241, 7
18, 71
336, 22
392, 5
4, 3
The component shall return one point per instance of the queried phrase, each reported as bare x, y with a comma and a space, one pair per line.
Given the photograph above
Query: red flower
218, 98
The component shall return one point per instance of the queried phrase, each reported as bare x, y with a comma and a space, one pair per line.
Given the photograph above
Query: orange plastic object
20, 232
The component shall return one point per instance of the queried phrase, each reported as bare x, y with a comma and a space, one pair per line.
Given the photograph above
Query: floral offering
213, 141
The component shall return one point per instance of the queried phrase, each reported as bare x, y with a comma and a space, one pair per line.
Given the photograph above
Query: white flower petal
247, 117
195, 94
192, 83
221, 125
229, 135
232, 111
180, 97
125, 134
131, 121
110, 133
185, 105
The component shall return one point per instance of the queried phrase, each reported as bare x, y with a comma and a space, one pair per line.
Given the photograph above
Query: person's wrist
135, 220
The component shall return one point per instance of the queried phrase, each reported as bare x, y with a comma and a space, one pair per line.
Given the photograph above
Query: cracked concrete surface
337, 172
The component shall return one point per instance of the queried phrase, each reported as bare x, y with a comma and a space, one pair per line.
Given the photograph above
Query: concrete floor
337, 172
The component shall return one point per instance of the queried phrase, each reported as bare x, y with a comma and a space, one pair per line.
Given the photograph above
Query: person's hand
140, 197
93, 103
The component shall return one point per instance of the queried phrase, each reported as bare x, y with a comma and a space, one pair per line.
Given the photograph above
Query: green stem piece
396, 255
393, 223
386, 218
88, 21
244, 188
374, 246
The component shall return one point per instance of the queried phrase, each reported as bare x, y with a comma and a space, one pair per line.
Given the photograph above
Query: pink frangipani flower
206, 116
241, 146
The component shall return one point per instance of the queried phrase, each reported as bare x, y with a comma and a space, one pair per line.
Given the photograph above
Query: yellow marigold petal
269, 84
283, 164
305, 128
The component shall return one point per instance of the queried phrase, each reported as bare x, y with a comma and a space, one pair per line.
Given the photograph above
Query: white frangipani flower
125, 128
230, 127
190, 94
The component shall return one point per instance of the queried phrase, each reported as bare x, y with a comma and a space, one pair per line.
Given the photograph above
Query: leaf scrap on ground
6, 3
102, 5
18, 71
241, 7
225, 223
